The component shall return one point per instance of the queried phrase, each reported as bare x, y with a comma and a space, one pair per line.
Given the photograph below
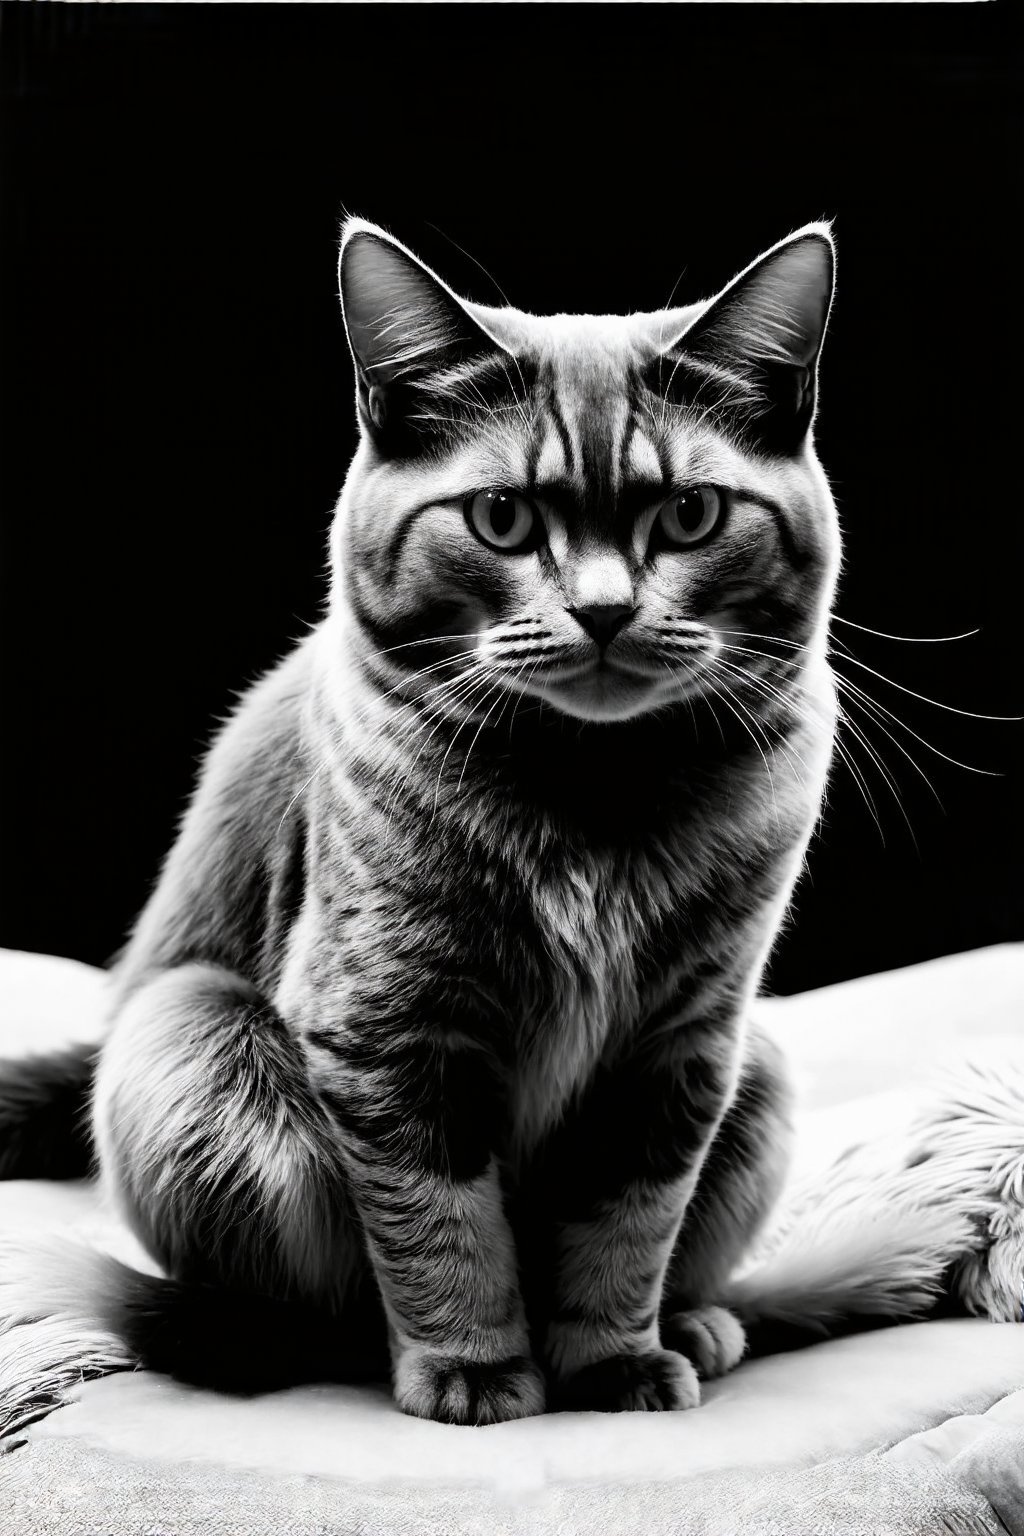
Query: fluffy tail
92, 1315
837, 1271
44, 1115
927, 1223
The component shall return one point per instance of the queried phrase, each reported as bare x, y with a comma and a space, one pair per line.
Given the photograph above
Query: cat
430, 1054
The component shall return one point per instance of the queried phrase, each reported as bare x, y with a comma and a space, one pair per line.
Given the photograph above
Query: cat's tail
834, 1273
44, 1114
91, 1315
921, 1224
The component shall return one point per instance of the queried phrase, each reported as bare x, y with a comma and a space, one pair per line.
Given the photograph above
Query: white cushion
922, 1395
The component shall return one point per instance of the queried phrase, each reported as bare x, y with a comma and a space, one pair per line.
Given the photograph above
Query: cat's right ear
407, 331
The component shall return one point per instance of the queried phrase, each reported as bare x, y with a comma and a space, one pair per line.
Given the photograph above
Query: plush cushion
906, 1430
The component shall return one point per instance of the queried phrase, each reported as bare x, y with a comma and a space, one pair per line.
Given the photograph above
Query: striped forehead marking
552, 461
642, 461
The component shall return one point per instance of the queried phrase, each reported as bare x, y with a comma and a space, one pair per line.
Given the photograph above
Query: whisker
768, 690
843, 752
460, 689
725, 694
478, 695
875, 712
844, 655
504, 693
522, 691
988, 773
301, 791
471, 656
909, 639
788, 700
969, 714
412, 677
498, 689
765, 639
426, 640
887, 778
847, 759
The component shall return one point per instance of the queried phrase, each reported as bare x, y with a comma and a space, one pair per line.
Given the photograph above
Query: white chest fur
592, 927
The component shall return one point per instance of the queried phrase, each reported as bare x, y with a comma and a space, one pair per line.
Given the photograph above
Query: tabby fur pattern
431, 1051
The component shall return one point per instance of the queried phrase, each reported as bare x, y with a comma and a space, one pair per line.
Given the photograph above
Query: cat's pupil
690, 512
503, 515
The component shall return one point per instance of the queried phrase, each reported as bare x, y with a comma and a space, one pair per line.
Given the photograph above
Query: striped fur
442, 993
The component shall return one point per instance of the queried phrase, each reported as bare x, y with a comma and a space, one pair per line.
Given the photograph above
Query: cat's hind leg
739, 1183
223, 1160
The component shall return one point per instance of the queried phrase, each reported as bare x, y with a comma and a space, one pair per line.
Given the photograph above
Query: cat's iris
690, 517
503, 519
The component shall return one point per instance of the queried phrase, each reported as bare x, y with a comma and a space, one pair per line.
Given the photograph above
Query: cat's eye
504, 520
690, 517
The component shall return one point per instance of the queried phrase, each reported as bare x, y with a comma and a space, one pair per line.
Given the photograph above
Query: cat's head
611, 514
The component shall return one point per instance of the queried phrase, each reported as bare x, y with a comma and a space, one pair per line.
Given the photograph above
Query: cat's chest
588, 924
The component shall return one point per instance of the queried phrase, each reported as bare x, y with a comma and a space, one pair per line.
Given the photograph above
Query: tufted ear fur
751, 354
406, 329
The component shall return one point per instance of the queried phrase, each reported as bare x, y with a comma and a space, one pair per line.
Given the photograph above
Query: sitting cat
431, 1048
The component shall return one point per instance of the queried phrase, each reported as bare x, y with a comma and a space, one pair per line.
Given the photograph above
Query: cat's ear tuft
403, 324
755, 347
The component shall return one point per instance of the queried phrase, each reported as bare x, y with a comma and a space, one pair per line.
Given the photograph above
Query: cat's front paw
711, 1337
651, 1381
454, 1390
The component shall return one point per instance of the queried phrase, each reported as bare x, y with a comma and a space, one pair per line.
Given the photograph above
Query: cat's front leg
618, 1176
420, 1108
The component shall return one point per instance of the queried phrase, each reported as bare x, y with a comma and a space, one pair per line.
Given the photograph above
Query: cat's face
609, 514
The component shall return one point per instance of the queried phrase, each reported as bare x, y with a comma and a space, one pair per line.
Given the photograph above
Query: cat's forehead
583, 342
592, 428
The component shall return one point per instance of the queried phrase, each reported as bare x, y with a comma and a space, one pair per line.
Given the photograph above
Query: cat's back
233, 878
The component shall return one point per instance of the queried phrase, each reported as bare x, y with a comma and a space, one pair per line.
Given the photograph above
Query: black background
177, 414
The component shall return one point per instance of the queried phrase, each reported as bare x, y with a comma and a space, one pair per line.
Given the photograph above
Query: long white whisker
846, 757
445, 661
477, 695
969, 714
501, 689
450, 693
988, 773
722, 691
909, 639
773, 694
523, 690
874, 757
506, 691
426, 640
875, 713
844, 654
412, 677
301, 791
843, 752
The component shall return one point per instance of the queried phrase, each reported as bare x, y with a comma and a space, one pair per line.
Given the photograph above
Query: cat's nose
602, 621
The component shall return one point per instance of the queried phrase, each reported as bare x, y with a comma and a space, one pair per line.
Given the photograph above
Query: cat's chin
606, 694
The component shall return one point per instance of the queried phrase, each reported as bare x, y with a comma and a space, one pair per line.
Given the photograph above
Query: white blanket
917, 1424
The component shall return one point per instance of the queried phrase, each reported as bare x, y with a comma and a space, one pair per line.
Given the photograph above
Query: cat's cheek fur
431, 1383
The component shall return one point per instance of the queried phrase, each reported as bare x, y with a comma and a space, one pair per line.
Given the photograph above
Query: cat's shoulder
268, 721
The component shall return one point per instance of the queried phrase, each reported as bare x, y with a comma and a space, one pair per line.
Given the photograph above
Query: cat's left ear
752, 353
408, 332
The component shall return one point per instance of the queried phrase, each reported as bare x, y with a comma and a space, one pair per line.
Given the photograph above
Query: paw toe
454, 1390
711, 1337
